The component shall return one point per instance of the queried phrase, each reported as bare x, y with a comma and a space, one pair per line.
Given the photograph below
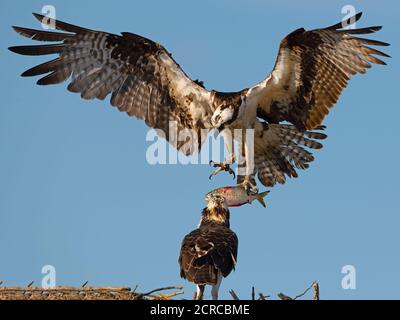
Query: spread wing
207, 251
280, 150
311, 70
141, 76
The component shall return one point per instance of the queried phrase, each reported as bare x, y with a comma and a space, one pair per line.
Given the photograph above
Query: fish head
215, 192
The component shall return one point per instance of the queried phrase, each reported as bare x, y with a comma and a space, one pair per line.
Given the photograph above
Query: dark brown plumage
209, 252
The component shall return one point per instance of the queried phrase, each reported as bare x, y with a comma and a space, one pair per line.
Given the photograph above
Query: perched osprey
311, 70
209, 253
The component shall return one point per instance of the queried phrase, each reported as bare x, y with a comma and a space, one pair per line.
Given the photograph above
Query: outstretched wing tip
12, 49
22, 31
349, 21
356, 17
25, 74
38, 16
17, 49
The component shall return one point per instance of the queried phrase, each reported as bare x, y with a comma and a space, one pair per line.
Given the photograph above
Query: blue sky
77, 193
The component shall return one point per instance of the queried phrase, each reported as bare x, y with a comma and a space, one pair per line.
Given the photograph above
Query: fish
236, 196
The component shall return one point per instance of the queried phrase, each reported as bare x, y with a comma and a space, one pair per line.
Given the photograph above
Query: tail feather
283, 149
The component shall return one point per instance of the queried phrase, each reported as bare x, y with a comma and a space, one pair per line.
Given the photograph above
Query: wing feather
281, 149
311, 71
141, 76
206, 252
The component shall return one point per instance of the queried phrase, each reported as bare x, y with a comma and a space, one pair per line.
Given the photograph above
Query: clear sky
76, 191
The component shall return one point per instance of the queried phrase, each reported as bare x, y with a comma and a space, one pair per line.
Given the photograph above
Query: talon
215, 172
253, 190
250, 188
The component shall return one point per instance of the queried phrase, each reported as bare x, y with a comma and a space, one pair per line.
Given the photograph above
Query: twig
262, 297
304, 292
233, 294
160, 289
315, 287
284, 296
167, 296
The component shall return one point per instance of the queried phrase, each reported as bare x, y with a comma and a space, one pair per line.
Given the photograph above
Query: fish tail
260, 198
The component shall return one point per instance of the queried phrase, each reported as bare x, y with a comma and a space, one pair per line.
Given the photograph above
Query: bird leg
199, 294
225, 165
215, 288
249, 185
249, 182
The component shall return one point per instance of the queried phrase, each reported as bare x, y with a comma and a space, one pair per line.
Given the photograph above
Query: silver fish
236, 196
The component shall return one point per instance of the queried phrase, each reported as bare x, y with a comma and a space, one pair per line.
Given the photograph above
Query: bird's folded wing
197, 253
223, 255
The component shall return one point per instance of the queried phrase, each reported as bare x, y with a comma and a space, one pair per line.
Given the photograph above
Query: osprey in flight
209, 253
285, 110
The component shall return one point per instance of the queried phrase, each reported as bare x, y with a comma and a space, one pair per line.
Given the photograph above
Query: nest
122, 293
84, 293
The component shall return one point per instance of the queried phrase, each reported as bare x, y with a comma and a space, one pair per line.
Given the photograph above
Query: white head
223, 115
215, 200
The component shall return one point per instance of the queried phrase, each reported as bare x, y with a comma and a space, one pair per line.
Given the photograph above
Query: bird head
215, 200
216, 210
223, 115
